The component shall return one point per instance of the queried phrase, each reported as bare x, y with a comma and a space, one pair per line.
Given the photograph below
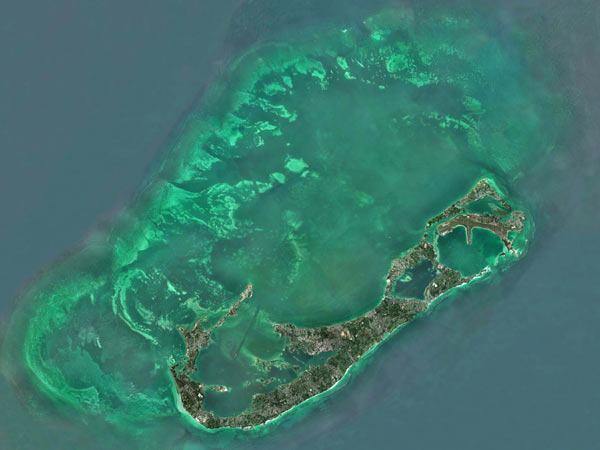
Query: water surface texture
315, 157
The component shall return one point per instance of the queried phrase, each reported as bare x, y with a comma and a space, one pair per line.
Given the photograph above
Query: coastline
502, 261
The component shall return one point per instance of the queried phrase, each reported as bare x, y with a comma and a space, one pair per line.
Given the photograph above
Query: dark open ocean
91, 94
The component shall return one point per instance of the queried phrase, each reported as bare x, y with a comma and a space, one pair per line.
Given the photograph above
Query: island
343, 344
331, 185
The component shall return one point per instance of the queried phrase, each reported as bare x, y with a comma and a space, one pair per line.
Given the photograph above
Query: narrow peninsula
343, 344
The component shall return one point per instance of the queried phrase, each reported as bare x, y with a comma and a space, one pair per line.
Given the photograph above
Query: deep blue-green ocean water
91, 95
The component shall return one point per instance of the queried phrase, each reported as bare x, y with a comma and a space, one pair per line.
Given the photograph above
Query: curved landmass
291, 193
347, 342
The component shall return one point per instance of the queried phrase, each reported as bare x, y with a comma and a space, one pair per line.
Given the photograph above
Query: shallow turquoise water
116, 339
304, 174
470, 259
414, 282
